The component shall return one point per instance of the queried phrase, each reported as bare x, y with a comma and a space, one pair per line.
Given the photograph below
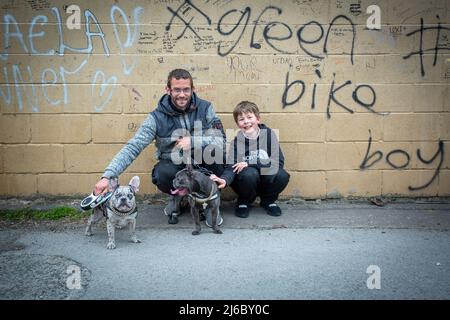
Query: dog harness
201, 200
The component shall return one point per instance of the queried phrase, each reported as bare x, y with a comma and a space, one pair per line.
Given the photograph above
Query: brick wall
360, 112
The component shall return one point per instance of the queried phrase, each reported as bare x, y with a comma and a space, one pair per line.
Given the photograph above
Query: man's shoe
272, 209
208, 218
172, 210
242, 211
173, 216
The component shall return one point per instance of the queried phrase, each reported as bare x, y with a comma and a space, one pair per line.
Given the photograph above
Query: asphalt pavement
315, 250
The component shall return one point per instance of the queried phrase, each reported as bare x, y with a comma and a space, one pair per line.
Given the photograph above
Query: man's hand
221, 182
101, 187
238, 167
183, 143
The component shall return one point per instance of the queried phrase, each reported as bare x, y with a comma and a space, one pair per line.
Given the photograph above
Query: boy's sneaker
242, 211
272, 209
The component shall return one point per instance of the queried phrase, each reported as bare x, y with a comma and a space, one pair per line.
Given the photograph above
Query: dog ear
113, 183
134, 183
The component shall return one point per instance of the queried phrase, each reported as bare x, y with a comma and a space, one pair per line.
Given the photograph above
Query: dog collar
120, 213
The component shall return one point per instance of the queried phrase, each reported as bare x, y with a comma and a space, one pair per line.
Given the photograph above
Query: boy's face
180, 92
248, 123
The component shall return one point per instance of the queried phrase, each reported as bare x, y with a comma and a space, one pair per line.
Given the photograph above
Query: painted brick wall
360, 112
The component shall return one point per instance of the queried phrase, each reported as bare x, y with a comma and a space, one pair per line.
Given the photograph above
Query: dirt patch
41, 277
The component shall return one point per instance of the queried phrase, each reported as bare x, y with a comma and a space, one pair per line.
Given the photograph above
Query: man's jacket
160, 126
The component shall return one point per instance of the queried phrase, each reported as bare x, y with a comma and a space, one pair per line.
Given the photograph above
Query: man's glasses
179, 90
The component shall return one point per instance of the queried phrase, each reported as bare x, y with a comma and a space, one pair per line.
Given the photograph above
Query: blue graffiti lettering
9, 20
112, 81
130, 38
32, 35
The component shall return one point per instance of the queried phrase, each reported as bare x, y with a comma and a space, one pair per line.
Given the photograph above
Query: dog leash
203, 170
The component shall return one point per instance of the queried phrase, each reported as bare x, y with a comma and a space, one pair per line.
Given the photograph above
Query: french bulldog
120, 210
200, 191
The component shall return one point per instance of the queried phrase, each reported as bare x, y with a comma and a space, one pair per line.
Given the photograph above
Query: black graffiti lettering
253, 44
187, 5
268, 37
365, 164
302, 40
421, 50
353, 31
397, 151
379, 155
288, 86
332, 97
367, 105
244, 13
440, 152
313, 101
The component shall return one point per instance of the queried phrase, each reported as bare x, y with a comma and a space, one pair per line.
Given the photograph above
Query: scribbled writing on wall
27, 81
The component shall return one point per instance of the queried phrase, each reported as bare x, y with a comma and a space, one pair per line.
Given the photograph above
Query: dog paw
218, 231
111, 245
136, 240
88, 234
195, 233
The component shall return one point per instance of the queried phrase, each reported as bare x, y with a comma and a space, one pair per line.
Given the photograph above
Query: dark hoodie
263, 153
161, 125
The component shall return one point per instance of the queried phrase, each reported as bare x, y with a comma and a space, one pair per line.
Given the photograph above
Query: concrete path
325, 250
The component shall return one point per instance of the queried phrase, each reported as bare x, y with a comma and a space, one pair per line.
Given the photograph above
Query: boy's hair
245, 107
179, 74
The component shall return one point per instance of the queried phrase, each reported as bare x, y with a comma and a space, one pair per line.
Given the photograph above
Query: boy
258, 163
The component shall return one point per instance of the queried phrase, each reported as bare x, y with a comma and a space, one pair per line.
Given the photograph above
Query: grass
56, 213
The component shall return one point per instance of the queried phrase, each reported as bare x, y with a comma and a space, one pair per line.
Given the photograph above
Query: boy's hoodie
263, 153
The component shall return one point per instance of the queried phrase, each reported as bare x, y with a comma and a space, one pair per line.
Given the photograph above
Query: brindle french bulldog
200, 191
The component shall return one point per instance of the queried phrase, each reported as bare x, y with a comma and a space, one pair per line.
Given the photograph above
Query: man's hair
245, 107
179, 74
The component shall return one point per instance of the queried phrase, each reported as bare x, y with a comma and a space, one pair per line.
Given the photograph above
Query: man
171, 125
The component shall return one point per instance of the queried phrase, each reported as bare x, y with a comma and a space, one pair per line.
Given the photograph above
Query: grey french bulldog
120, 210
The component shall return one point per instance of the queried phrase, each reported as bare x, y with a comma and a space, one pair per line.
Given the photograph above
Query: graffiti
355, 94
24, 80
370, 159
243, 18
248, 38
186, 7
437, 47
242, 69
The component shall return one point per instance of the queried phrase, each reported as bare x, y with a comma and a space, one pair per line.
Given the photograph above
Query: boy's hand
221, 182
238, 167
